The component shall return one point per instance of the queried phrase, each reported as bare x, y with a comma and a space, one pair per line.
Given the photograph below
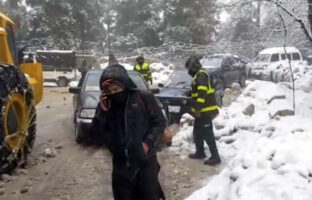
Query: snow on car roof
56, 51
222, 55
279, 50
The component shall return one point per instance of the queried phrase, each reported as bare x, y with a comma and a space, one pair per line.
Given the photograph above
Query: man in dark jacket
130, 123
204, 109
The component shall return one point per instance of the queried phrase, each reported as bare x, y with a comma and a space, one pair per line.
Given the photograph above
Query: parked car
273, 62
173, 94
228, 67
306, 53
58, 66
86, 97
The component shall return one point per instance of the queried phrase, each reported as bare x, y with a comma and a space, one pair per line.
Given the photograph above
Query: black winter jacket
142, 121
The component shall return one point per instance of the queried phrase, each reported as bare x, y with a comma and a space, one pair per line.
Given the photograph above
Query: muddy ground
73, 172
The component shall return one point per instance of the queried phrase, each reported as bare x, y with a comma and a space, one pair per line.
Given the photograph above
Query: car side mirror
160, 85
74, 90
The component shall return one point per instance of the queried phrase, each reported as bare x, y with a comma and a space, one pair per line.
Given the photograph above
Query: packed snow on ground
264, 157
49, 84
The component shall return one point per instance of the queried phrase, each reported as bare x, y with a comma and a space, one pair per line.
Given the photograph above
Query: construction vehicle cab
21, 88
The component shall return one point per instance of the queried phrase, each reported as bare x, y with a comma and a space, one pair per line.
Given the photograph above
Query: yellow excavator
21, 88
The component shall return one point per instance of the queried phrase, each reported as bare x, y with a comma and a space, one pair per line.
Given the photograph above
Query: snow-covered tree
138, 18
190, 21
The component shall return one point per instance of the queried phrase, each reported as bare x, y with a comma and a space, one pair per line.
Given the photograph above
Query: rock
229, 140
187, 186
250, 110
48, 107
296, 70
1, 191
7, 178
29, 183
299, 130
59, 146
24, 189
270, 128
284, 113
247, 127
280, 108
42, 159
1, 184
236, 87
249, 94
219, 126
21, 171
276, 97
48, 153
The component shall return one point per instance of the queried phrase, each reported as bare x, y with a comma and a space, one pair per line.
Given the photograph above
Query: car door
227, 67
226, 72
237, 69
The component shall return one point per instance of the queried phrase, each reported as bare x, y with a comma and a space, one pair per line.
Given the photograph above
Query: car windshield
93, 79
262, 58
179, 79
211, 62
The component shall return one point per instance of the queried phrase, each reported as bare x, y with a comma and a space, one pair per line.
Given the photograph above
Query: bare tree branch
279, 5
300, 21
289, 62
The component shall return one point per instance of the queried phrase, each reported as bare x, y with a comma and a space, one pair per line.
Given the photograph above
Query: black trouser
203, 131
137, 184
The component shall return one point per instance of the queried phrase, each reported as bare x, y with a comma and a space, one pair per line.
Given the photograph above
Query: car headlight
87, 113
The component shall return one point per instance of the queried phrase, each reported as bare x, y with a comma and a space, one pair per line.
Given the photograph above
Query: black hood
118, 73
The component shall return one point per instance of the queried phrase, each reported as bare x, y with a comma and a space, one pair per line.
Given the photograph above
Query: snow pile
161, 72
280, 71
265, 156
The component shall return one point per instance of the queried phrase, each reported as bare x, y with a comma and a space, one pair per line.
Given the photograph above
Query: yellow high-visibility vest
204, 94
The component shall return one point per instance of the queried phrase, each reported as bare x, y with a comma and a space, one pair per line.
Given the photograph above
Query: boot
213, 160
197, 155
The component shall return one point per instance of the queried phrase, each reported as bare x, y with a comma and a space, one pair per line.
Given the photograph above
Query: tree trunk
259, 14
310, 14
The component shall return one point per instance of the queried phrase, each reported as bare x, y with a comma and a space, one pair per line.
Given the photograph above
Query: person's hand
197, 114
145, 147
104, 102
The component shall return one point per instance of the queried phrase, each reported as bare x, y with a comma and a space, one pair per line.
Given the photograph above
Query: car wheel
243, 81
62, 82
260, 76
78, 135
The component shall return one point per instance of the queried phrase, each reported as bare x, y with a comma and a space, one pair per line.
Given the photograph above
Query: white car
273, 63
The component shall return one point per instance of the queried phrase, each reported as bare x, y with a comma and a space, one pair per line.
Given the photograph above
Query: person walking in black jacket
130, 123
